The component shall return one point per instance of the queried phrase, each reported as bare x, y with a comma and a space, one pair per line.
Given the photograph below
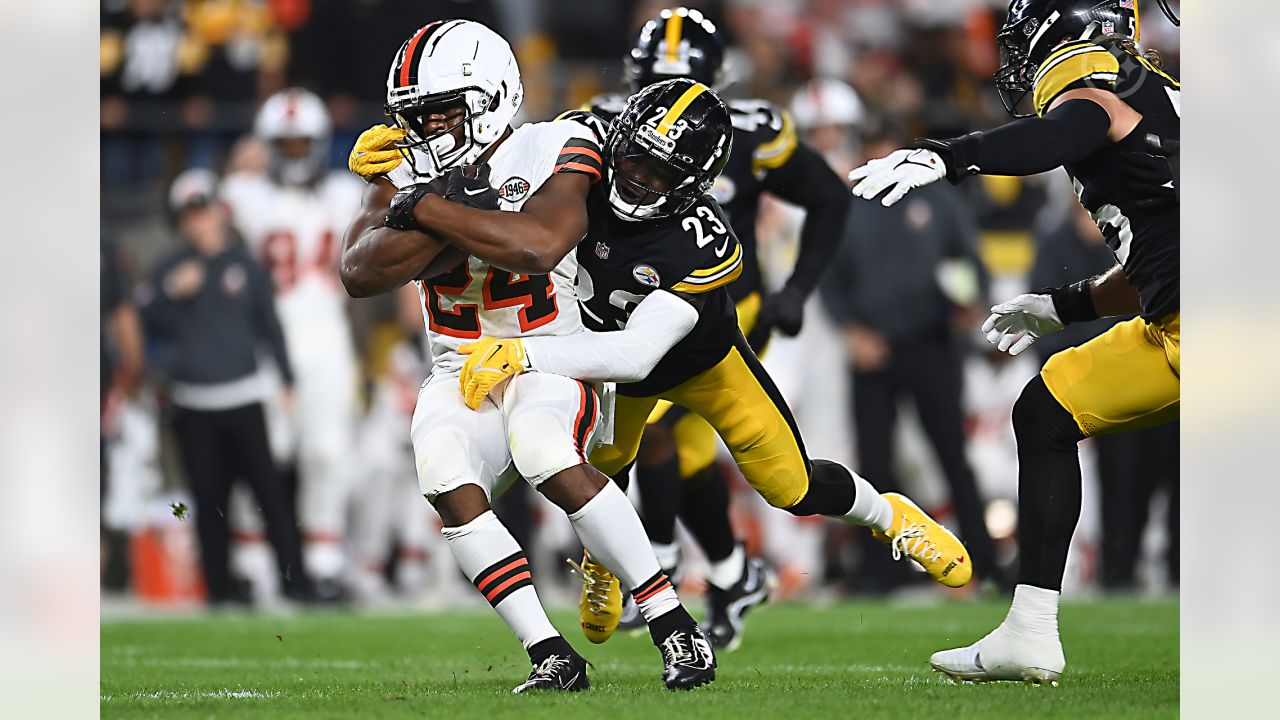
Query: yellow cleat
600, 609
914, 534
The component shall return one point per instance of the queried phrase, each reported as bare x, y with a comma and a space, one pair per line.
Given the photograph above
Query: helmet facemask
1016, 76
291, 163
648, 178
433, 146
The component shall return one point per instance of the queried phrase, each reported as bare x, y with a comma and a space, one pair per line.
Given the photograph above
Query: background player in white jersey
293, 219
453, 90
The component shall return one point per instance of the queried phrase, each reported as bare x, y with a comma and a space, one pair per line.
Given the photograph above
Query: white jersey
297, 235
477, 300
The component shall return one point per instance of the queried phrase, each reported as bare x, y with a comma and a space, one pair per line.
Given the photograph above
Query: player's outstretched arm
531, 241
1078, 123
377, 259
660, 321
1015, 325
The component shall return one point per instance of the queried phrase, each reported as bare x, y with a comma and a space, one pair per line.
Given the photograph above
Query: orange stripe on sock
645, 596
498, 590
500, 571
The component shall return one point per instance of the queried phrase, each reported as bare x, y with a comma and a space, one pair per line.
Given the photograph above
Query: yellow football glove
489, 362
374, 153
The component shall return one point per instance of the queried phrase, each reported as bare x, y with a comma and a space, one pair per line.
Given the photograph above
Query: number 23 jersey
695, 254
476, 300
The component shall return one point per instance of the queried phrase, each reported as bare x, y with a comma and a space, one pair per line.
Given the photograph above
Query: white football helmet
450, 63
825, 101
294, 114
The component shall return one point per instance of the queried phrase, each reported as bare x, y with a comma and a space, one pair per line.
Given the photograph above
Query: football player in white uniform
453, 91
293, 219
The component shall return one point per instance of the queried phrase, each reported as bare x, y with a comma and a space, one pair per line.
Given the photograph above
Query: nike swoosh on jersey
723, 247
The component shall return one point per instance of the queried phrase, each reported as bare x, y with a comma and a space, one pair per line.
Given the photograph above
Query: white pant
534, 425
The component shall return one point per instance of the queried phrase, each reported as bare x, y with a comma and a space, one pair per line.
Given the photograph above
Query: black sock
544, 649
704, 508
831, 491
1048, 485
659, 486
663, 625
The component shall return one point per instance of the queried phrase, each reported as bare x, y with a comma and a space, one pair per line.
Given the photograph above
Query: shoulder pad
1077, 64
714, 251
774, 129
598, 126
607, 106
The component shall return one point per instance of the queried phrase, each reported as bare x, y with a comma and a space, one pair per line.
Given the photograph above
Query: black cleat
567, 673
688, 659
726, 608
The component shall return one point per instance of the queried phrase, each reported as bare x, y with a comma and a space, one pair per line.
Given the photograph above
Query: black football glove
783, 311
1154, 176
469, 185
400, 213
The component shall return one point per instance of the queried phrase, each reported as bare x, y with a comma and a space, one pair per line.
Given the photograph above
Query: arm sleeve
835, 288
660, 321
1069, 133
806, 180
266, 322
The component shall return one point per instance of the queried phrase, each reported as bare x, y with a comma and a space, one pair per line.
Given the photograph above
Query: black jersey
1146, 242
694, 253
764, 142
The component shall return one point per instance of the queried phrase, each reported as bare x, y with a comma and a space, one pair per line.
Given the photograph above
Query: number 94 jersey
694, 254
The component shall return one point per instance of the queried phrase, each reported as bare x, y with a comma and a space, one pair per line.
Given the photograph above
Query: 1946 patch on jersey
646, 276
514, 189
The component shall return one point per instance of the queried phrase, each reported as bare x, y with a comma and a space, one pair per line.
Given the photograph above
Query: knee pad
540, 447
1039, 417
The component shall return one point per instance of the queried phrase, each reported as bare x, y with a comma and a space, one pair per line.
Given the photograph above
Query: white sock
493, 560
869, 508
726, 573
655, 597
668, 555
1034, 611
611, 532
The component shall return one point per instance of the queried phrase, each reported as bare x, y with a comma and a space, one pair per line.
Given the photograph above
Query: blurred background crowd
917, 401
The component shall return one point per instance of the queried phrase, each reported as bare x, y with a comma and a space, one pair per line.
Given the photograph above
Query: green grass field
865, 660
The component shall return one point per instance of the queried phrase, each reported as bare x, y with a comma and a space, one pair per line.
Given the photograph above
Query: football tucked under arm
659, 322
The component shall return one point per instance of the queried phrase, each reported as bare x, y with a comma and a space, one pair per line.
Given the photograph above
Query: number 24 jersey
695, 254
477, 300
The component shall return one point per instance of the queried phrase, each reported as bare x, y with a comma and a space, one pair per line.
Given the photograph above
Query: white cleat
1005, 654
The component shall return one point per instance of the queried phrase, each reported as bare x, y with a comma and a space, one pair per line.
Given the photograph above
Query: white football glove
1014, 325
900, 170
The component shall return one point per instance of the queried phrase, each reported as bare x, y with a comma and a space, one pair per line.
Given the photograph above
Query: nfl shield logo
602, 251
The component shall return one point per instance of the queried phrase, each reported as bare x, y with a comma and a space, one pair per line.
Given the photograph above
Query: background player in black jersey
675, 468
653, 273
1103, 107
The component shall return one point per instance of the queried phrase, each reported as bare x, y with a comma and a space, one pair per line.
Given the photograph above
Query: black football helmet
680, 42
666, 148
1035, 27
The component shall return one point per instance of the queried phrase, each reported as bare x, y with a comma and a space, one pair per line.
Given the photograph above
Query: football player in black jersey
1102, 110
676, 468
653, 277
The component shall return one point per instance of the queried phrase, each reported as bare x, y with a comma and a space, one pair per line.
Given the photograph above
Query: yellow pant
1124, 379
741, 404
694, 437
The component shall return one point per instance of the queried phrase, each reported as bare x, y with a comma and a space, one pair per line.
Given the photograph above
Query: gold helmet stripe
664, 125
675, 26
